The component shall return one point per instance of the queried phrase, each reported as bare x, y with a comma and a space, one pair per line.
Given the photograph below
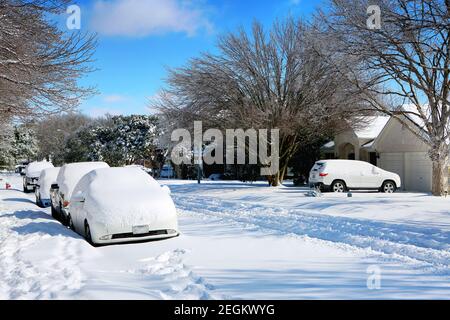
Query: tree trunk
288, 147
440, 176
276, 179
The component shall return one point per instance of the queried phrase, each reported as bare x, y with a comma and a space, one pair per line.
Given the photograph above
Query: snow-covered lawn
238, 241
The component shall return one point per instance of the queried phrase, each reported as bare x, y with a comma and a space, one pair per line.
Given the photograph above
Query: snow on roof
413, 114
369, 144
328, 145
373, 127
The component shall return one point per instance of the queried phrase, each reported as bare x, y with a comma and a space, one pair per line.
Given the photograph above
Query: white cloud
114, 98
146, 17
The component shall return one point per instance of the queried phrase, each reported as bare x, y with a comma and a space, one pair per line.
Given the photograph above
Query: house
388, 144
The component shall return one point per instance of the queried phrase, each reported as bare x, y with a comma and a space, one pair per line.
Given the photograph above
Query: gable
395, 137
372, 128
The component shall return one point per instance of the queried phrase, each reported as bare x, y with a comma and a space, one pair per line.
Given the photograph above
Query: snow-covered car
42, 191
116, 205
145, 169
342, 175
32, 173
20, 168
68, 177
167, 172
216, 177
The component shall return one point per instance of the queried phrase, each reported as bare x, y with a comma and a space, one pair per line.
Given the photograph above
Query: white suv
342, 175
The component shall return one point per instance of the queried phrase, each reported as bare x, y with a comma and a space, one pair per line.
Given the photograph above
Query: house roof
328, 145
373, 128
368, 145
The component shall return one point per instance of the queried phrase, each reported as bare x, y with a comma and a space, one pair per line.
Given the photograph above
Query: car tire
70, 223
338, 186
87, 234
39, 202
63, 219
55, 214
388, 187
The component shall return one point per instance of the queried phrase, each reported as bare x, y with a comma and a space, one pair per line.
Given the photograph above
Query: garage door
392, 162
414, 168
418, 171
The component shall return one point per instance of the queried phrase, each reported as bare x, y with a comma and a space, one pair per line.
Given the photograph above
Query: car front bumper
130, 238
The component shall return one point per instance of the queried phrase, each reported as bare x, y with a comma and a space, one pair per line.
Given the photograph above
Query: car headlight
107, 237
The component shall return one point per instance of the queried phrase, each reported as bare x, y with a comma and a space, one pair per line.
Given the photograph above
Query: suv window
318, 166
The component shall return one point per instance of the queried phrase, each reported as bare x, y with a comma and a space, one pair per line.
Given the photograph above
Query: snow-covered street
238, 241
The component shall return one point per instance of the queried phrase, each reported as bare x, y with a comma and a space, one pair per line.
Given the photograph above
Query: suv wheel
338, 186
388, 187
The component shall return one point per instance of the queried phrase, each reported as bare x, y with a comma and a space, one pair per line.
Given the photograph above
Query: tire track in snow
424, 248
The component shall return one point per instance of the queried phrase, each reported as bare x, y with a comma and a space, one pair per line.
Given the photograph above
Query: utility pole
198, 155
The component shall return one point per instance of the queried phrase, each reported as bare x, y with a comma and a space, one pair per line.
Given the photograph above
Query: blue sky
139, 39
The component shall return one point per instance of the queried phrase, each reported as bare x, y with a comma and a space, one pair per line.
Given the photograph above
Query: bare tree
262, 80
40, 64
407, 61
53, 132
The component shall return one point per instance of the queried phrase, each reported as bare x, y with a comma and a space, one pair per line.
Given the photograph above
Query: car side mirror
54, 186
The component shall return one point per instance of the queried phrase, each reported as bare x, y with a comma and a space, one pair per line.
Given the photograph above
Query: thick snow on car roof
71, 173
34, 168
124, 195
126, 180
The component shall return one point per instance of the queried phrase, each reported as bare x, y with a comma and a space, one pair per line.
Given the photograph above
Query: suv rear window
318, 166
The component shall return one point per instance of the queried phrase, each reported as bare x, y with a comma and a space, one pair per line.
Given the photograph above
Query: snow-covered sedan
42, 191
68, 177
116, 205
342, 175
32, 173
